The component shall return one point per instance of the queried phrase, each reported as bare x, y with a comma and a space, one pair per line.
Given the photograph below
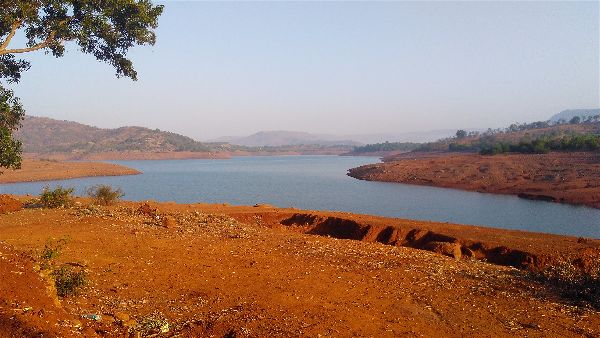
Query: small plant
59, 197
68, 280
104, 194
52, 249
152, 325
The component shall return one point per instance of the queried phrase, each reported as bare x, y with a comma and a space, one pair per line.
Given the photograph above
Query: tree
575, 120
104, 28
461, 134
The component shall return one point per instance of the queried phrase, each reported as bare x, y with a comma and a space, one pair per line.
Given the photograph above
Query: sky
235, 68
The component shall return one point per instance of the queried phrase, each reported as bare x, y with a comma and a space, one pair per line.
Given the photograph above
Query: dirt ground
572, 178
37, 170
225, 271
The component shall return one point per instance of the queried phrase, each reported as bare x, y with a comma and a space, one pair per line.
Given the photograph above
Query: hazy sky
229, 68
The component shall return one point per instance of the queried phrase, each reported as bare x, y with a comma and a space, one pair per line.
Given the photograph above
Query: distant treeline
541, 145
529, 138
387, 146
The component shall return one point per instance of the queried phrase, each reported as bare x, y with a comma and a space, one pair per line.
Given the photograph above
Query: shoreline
569, 178
50, 170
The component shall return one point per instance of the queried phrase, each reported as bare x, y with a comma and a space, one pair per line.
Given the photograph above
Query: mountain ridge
47, 135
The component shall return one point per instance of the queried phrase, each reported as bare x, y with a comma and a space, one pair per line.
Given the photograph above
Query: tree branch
13, 31
40, 45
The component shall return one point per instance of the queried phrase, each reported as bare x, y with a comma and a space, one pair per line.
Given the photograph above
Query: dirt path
36, 170
239, 271
572, 178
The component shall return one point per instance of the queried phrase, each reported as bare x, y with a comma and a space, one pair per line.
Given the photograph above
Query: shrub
104, 194
68, 280
59, 197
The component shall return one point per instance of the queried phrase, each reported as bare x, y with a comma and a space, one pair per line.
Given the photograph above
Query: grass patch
57, 197
104, 194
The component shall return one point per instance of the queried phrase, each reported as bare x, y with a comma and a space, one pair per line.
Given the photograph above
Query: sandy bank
572, 178
36, 170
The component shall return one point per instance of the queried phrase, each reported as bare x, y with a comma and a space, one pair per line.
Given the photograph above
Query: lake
320, 182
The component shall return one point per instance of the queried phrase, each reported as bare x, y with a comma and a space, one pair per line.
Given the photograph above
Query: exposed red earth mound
262, 271
28, 303
9, 204
572, 178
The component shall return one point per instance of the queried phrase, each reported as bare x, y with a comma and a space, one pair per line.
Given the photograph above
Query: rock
416, 235
169, 222
121, 317
130, 323
445, 248
146, 209
9, 204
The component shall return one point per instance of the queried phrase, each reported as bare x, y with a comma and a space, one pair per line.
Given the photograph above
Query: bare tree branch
13, 31
49, 40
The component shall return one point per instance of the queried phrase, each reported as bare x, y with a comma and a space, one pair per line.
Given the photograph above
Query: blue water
320, 182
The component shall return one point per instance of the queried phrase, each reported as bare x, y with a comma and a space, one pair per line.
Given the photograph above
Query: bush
59, 197
104, 194
68, 280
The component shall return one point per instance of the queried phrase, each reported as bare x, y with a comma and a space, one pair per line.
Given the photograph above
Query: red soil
260, 271
9, 204
28, 304
572, 178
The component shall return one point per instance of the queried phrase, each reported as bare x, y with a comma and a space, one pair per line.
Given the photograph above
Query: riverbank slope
572, 178
260, 271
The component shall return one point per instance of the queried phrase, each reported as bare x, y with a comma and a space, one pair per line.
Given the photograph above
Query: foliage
386, 146
105, 29
51, 251
68, 280
461, 134
11, 114
545, 144
59, 197
153, 326
104, 194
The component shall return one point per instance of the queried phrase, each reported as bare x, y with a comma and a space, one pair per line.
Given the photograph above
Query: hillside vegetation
385, 147
533, 138
45, 135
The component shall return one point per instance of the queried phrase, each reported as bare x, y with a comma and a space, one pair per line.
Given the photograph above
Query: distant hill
567, 115
285, 138
45, 135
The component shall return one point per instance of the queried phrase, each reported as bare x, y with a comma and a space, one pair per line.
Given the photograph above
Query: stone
445, 248
169, 222
121, 317
146, 209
